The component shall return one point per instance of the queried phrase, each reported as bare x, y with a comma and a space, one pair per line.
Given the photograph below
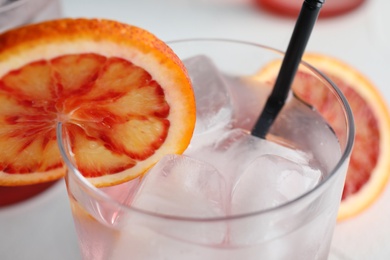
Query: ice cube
219, 148
177, 180
248, 98
304, 124
214, 108
271, 180
231, 150
184, 187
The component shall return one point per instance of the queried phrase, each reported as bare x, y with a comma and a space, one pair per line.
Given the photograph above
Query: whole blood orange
122, 94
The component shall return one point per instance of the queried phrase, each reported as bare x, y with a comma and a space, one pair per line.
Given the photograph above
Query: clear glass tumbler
110, 227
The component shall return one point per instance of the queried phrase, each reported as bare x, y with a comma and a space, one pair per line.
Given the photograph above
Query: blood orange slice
369, 168
124, 97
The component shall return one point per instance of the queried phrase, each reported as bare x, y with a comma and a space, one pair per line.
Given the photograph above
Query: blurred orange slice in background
369, 167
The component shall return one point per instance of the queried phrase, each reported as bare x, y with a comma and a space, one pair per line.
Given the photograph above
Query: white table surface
42, 228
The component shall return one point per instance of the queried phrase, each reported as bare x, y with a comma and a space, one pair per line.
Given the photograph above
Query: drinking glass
110, 226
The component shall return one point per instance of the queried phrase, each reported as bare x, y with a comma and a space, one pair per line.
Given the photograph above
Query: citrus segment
369, 169
123, 96
95, 158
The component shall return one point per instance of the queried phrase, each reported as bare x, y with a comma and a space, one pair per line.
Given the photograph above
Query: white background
42, 228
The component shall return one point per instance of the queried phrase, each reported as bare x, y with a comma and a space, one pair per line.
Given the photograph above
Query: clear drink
230, 195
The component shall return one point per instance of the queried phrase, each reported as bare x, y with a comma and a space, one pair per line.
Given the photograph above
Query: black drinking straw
302, 30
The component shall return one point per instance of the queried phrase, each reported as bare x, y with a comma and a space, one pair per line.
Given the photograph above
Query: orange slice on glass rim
124, 97
369, 167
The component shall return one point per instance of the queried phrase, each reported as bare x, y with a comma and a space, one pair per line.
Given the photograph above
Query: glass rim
344, 156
